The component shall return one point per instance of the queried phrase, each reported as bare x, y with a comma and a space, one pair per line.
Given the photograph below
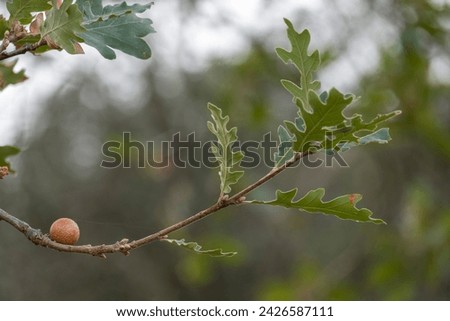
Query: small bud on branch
3, 171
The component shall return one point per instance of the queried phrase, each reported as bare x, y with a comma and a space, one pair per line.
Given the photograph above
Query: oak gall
65, 231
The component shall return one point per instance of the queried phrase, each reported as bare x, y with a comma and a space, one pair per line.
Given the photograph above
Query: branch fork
124, 246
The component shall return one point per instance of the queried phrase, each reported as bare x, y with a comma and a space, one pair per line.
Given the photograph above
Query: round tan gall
65, 231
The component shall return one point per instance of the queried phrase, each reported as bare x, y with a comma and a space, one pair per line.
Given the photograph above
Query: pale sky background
20, 103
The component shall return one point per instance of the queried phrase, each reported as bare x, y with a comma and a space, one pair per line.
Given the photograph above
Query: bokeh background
392, 53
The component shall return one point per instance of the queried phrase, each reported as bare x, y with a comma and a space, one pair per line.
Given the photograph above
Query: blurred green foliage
282, 256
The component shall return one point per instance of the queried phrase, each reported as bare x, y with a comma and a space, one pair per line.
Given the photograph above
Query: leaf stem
275, 171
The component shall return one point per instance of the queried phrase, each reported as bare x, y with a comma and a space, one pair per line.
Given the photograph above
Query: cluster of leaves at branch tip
67, 24
320, 125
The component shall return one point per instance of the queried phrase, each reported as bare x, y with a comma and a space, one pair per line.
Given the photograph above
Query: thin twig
22, 50
125, 246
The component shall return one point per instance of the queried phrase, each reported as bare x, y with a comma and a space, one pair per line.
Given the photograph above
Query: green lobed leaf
321, 122
381, 136
343, 207
317, 124
349, 132
21, 10
62, 25
94, 10
193, 246
224, 155
305, 63
8, 76
5, 152
115, 26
